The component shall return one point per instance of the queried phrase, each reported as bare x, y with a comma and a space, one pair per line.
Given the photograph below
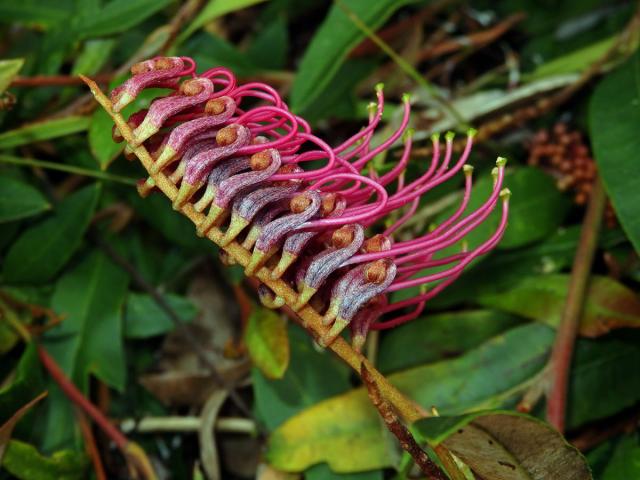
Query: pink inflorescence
239, 155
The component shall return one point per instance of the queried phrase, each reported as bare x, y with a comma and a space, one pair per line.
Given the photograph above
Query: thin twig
61, 167
161, 301
473, 41
90, 445
562, 353
187, 424
402, 433
403, 64
56, 80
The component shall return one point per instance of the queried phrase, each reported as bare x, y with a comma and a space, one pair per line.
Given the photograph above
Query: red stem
562, 353
76, 396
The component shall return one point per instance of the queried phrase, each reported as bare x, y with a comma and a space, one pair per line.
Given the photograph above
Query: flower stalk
238, 170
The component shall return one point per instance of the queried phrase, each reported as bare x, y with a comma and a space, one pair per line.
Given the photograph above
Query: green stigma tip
449, 136
379, 87
467, 169
505, 193
409, 133
406, 97
435, 137
472, 132
501, 161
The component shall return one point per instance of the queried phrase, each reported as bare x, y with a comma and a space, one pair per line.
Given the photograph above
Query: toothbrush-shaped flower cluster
303, 209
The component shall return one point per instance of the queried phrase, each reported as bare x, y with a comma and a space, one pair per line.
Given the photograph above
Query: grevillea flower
238, 155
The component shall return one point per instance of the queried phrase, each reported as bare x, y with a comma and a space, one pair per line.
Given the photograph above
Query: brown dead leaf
180, 377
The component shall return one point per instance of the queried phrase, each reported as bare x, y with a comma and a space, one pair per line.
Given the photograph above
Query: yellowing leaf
8, 70
267, 341
608, 305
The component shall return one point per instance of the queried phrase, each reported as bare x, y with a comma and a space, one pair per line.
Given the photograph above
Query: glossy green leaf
89, 340
118, 16
6, 428
26, 384
42, 250
8, 70
600, 386
622, 459
46, 130
26, 463
614, 113
39, 12
439, 336
269, 48
323, 432
144, 318
213, 10
94, 55
157, 212
312, 376
608, 304
267, 342
506, 445
574, 62
331, 44
19, 200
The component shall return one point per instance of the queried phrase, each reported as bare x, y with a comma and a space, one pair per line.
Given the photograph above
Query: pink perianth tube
412, 245
458, 268
348, 217
369, 129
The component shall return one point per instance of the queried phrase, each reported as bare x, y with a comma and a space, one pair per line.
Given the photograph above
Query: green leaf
213, 10
494, 375
574, 62
46, 130
144, 318
42, 250
312, 376
156, 211
614, 114
19, 200
608, 304
8, 70
623, 462
93, 56
436, 337
26, 463
6, 428
332, 43
118, 16
506, 445
269, 47
267, 342
89, 340
39, 12
26, 384
348, 422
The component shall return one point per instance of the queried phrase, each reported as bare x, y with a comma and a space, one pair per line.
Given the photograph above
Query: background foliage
86, 265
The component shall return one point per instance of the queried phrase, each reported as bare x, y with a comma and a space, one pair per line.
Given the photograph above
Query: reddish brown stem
56, 80
395, 426
91, 447
76, 396
562, 353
